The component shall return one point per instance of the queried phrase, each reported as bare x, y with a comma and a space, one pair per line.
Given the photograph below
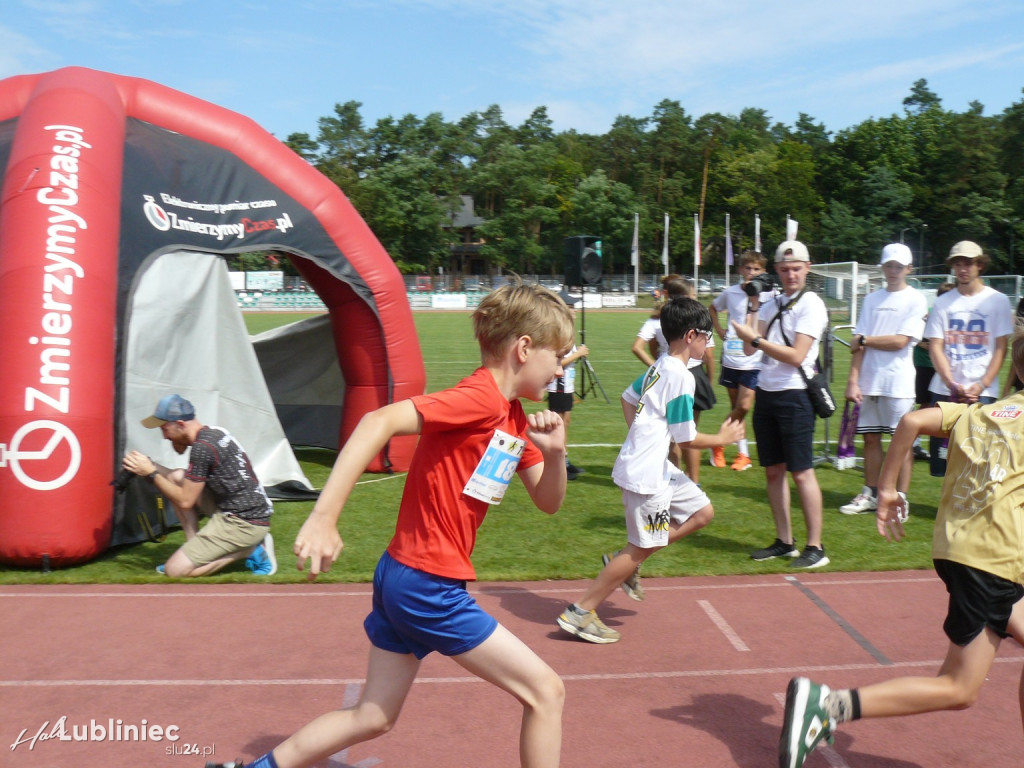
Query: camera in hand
123, 480
758, 285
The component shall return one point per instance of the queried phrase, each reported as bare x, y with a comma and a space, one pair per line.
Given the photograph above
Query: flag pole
696, 251
664, 248
728, 250
634, 254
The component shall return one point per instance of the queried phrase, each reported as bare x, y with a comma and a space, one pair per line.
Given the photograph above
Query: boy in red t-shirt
473, 438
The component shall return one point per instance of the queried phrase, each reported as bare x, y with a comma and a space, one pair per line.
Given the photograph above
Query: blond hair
515, 310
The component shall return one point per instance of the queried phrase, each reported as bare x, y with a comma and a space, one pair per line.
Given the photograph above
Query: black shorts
560, 402
784, 429
977, 599
924, 378
703, 394
734, 378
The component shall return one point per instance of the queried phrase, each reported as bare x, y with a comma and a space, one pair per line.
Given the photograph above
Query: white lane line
723, 626
286, 590
605, 676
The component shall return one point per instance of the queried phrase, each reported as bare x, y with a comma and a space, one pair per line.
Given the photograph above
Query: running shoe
778, 549
811, 557
807, 722
263, 561
630, 586
861, 504
742, 462
572, 471
587, 626
718, 456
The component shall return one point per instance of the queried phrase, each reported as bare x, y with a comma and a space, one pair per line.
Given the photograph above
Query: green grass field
517, 542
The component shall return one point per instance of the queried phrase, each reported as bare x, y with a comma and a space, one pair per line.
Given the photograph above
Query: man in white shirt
967, 330
882, 373
787, 330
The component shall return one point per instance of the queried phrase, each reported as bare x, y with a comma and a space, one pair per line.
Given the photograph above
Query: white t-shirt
891, 372
567, 381
651, 329
808, 316
663, 397
969, 327
734, 301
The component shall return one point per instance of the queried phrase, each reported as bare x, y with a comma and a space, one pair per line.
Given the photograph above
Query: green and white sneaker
807, 722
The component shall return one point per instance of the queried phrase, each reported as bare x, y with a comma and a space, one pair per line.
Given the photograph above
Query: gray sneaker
778, 549
630, 586
587, 627
811, 557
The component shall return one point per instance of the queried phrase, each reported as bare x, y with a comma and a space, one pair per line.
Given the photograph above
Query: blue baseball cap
170, 408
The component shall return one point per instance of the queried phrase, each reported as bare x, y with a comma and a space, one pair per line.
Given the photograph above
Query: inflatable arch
117, 195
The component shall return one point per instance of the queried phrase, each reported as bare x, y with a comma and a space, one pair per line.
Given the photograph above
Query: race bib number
734, 346
496, 469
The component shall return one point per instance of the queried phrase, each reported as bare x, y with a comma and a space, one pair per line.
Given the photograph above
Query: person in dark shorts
787, 330
561, 396
978, 551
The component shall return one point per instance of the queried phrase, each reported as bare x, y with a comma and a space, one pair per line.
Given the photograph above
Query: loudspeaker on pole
582, 260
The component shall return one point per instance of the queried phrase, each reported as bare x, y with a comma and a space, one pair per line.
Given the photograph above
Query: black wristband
751, 309
756, 342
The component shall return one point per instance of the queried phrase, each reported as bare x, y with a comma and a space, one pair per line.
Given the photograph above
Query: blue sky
286, 64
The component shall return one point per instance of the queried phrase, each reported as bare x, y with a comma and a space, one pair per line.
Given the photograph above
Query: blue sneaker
160, 569
263, 561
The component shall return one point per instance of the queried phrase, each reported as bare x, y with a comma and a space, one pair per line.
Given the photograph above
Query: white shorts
880, 414
649, 515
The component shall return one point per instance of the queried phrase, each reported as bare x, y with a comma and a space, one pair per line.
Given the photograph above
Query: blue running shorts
417, 612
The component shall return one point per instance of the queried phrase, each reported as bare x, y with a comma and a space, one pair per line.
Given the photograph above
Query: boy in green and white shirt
662, 504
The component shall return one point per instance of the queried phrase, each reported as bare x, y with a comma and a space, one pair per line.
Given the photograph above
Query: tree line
928, 177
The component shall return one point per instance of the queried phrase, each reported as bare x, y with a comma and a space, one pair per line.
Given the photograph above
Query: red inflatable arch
101, 173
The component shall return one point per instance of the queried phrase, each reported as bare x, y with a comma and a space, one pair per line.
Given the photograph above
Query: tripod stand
588, 376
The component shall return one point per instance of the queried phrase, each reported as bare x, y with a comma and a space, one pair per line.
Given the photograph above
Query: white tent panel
186, 335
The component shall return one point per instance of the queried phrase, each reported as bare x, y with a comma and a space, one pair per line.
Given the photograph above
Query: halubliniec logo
111, 731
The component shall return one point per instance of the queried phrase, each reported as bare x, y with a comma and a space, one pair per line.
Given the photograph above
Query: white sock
742, 445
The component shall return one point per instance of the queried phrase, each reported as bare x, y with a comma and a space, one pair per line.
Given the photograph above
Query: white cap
897, 252
791, 250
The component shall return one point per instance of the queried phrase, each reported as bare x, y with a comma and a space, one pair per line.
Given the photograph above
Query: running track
696, 681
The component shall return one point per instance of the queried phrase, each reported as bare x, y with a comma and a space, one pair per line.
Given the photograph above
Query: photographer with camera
739, 370
787, 330
220, 483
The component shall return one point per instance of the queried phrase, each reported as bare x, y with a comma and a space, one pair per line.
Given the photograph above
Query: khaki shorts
222, 536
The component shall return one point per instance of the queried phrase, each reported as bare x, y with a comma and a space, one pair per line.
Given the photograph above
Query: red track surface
696, 680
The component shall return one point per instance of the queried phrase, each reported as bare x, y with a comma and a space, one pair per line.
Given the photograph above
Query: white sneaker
863, 503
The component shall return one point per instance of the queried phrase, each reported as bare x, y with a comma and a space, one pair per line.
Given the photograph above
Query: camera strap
786, 308
778, 315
